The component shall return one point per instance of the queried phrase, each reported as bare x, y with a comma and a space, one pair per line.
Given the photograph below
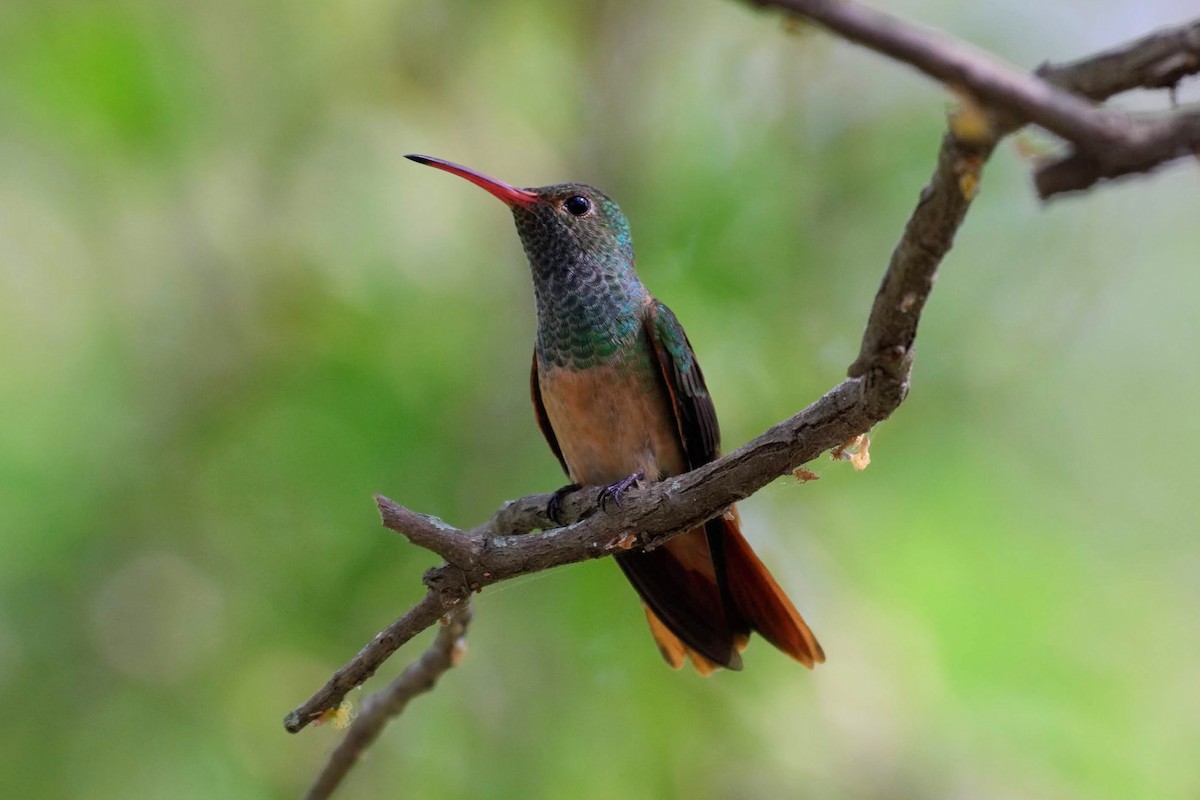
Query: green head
580, 253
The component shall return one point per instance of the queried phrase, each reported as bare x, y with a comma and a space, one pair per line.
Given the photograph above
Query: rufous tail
761, 601
705, 591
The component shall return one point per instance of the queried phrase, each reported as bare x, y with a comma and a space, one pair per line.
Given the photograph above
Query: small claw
554, 508
615, 490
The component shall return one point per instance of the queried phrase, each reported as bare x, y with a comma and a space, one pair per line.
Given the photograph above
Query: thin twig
1106, 144
1081, 169
994, 82
429, 532
1159, 60
426, 612
379, 709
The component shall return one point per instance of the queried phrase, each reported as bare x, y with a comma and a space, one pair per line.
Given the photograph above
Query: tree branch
1107, 144
429, 610
1178, 137
419, 677
1159, 60
994, 82
505, 547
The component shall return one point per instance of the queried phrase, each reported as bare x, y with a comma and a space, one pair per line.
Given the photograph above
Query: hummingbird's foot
614, 490
554, 508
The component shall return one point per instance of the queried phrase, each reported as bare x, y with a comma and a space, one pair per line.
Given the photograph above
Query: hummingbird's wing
695, 415
704, 548
751, 598
543, 420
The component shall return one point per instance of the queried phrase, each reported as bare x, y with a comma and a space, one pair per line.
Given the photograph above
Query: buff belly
611, 421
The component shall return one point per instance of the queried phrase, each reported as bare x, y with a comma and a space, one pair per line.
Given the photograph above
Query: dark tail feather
705, 591
678, 584
760, 601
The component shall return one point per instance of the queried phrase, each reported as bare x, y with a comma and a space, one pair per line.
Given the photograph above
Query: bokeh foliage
230, 311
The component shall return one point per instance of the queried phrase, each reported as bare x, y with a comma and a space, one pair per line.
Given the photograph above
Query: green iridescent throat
590, 303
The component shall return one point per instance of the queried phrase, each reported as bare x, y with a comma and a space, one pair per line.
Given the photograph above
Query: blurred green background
230, 311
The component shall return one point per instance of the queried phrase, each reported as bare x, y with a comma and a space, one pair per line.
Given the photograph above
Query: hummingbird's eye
577, 205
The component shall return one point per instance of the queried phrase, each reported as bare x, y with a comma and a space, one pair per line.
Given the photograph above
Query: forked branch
419, 677
1105, 143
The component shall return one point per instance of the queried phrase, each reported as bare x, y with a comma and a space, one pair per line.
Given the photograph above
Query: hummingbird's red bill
509, 194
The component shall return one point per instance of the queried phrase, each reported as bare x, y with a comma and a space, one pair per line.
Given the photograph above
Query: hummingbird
619, 396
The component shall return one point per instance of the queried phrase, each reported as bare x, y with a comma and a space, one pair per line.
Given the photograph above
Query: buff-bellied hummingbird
619, 396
